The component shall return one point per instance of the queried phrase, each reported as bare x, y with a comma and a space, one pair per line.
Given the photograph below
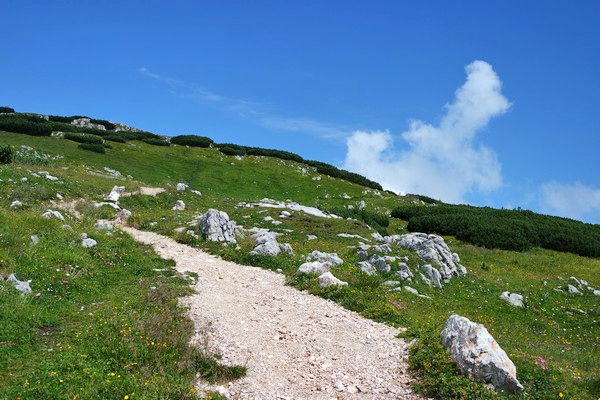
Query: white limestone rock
478, 355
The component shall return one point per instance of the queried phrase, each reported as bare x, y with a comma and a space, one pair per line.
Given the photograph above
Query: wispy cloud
572, 200
442, 161
247, 109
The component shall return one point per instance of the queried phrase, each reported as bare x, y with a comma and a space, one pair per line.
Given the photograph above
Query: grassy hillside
560, 328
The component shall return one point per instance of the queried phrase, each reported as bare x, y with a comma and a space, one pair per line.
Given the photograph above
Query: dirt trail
295, 345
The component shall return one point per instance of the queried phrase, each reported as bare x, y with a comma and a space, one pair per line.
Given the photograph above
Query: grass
559, 328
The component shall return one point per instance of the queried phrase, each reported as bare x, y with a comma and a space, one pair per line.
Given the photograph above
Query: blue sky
489, 103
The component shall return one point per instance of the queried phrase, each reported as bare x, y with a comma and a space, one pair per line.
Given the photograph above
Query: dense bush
156, 142
115, 138
98, 148
503, 229
26, 124
83, 138
58, 118
6, 154
330, 170
283, 155
232, 151
6, 110
192, 140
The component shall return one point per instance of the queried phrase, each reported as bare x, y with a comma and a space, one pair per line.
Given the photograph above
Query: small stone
179, 205
181, 186
87, 243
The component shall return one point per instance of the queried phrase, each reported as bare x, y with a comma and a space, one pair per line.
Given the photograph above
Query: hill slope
557, 327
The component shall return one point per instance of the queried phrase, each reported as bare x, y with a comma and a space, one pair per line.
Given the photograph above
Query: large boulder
330, 257
431, 248
215, 226
478, 355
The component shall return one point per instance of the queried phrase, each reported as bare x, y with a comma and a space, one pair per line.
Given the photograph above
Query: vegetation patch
503, 229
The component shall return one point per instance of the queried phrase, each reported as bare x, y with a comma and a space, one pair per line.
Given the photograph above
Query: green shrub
334, 172
83, 138
192, 140
231, 151
115, 138
98, 148
156, 142
21, 123
503, 229
6, 110
6, 154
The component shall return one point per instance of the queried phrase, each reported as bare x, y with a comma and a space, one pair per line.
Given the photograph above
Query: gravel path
295, 345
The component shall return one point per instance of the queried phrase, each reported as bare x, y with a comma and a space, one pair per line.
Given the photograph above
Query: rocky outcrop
404, 272
433, 249
514, 299
433, 274
478, 355
215, 226
329, 257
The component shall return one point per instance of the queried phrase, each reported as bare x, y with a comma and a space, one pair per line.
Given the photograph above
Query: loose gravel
295, 345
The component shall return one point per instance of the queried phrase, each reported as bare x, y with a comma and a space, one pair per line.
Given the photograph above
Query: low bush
107, 124
83, 138
95, 147
6, 154
115, 138
156, 142
192, 140
6, 110
503, 229
334, 172
231, 151
20, 123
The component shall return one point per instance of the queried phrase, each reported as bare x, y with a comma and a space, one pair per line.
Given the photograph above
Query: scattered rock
286, 248
415, 292
51, 213
34, 239
285, 214
115, 194
215, 226
181, 186
51, 177
433, 274
431, 248
514, 299
315, 267
596, 292
179, 205
329, 257
405, 273
266, 244
311, 237
112, 172
103, 224
16, 203
350, 235
123, 215
196, 192
573, 289
327, 279
391, 283
87, 242
21, 286
363, 255
379, 263
478, 355
366, 267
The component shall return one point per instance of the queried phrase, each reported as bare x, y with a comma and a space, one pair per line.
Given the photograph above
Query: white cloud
442, 161
246, 109
574, 200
